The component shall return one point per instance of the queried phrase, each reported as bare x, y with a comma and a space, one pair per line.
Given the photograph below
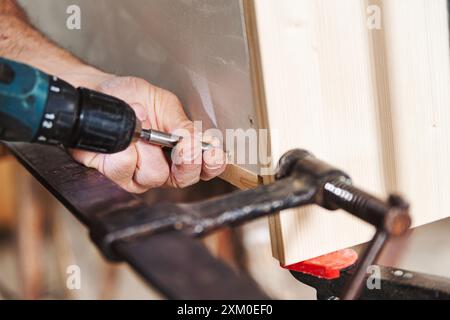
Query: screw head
398, 273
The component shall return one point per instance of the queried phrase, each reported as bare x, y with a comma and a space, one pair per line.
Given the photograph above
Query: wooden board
8, 177
374, 102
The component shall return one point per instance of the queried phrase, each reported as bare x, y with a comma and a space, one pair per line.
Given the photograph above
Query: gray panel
194, 48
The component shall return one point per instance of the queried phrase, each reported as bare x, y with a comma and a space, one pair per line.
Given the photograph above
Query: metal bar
121, 223
355, 285
175, 264
200, 218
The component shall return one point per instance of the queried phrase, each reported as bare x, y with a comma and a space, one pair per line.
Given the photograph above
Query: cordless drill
37, 107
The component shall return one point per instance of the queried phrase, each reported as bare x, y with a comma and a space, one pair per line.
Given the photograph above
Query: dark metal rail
173, 263
158, 240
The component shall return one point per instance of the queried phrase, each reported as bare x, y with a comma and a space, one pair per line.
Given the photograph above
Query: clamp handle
335, 191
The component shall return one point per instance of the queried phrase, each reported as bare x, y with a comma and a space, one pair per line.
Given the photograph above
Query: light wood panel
417, 50
240, 177
373, 102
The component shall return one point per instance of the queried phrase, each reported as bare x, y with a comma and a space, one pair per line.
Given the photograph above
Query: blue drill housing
23, 97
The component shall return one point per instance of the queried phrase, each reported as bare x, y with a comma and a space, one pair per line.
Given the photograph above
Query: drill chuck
85, 119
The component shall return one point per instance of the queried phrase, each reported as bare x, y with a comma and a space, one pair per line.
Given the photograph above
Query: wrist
84, 76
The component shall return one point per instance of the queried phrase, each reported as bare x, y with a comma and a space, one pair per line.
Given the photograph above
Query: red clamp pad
328, 266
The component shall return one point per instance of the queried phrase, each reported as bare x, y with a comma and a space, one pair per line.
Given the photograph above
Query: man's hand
142, 166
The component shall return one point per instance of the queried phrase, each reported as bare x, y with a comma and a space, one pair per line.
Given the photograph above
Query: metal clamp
302, 179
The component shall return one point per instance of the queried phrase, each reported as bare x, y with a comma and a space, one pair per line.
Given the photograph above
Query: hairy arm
20, 41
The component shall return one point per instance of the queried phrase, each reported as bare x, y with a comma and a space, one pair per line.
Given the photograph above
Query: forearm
20, 41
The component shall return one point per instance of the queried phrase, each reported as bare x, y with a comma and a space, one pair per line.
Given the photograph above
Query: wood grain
373, 102
8, 175
240, 177
418, 62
